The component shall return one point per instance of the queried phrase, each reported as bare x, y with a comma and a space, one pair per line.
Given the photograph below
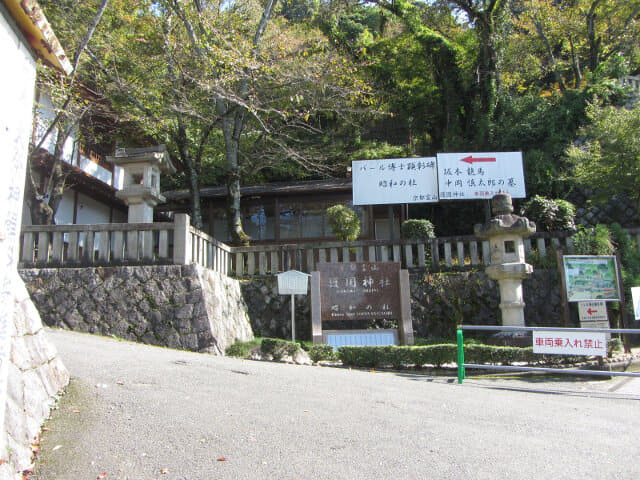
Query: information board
591, 278
473, 176
359, 290
395, 180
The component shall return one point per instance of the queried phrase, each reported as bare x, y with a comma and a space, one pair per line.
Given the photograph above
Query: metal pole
293, 318
460, 356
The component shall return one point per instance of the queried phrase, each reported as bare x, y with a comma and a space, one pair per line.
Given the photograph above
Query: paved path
138, 412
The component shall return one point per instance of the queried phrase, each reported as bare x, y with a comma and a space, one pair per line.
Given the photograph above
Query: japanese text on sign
391, 181
569, 343
359, 290
469, 176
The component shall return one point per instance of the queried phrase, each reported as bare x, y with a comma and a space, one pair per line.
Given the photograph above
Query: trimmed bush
344, 222
278, 348
417, 229
242, 349
318, 353
550, 214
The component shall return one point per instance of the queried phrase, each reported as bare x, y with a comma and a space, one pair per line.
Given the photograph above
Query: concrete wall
185, 307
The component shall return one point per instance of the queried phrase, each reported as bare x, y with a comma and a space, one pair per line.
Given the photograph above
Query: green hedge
438, 355
320, 352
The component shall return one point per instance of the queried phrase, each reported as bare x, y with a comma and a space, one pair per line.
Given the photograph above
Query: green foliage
278, 348
318, 353
417, 229
344, 222
593, 241
438, 355
242, 349
629, 258
607, 160
550, 215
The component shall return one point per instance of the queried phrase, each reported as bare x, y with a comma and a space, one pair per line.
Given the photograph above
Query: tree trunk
234, 217
193, 177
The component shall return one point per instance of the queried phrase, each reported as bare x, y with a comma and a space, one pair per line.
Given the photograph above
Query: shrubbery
318, 353
550, 214
417, 229
344, 222
278, 348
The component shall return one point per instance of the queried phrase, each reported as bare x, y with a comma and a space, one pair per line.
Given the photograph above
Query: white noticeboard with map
480, 176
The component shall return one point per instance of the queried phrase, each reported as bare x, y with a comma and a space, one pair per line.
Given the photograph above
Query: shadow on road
541, 384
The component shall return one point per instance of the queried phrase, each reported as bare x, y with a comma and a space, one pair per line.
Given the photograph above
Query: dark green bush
550, 214
278, 348
318, 353
417, 229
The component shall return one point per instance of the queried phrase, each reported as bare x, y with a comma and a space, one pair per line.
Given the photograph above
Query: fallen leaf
119, 382
222, 459
307, 411
164, 471
57, 447
45, 429
34, 448
102, 475
76, 411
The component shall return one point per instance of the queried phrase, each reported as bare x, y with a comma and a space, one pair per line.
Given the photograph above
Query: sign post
291, 283
591, 277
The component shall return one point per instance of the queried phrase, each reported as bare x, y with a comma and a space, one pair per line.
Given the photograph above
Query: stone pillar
142, 168
506, 233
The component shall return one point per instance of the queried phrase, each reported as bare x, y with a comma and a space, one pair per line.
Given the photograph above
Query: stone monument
506, 233
141, 190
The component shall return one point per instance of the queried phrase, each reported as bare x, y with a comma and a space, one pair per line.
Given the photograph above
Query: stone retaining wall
184, 307
35, 376
439, 302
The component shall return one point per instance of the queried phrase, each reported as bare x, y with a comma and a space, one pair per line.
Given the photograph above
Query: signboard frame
480, 175
581, 289
403, 315
394, 181
548, 342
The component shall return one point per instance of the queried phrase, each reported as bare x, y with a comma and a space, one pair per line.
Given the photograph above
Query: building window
259, 222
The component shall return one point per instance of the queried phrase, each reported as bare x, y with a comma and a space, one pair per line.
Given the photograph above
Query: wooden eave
37, 31
334, 185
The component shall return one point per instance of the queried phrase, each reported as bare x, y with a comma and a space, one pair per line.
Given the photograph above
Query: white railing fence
179, 243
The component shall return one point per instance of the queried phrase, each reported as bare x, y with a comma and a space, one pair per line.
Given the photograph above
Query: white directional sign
475, 176
593, 314
635, 294
394, 180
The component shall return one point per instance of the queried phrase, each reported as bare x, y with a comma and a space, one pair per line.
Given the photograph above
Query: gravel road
139, 412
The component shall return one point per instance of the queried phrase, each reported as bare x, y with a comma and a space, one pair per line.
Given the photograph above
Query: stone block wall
35, 376
439, 302
185, 307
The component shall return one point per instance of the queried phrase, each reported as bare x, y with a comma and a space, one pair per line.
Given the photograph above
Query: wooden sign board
359, 290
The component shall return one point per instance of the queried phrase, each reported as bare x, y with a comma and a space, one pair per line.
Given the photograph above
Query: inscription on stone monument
359, 290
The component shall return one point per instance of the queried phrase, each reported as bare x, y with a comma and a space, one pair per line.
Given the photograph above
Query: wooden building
289, 212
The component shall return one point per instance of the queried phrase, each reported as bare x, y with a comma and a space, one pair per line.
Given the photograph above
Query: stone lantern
506, 233
141, 187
